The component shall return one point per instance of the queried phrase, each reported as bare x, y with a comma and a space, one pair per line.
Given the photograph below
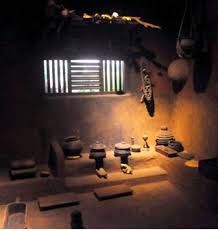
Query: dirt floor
185, 200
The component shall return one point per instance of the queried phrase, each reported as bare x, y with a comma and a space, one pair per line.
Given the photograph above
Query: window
83, 76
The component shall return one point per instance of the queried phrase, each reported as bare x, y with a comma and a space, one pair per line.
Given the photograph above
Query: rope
183, 19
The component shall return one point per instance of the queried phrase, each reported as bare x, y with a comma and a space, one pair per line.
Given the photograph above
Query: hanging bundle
185, 45
147, 92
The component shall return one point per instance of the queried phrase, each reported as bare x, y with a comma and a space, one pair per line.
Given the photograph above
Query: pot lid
122, 146
97, 146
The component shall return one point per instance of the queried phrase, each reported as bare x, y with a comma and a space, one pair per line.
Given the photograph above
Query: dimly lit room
109, 113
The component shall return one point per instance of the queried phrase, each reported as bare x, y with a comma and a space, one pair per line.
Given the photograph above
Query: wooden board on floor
113, 192
57, 200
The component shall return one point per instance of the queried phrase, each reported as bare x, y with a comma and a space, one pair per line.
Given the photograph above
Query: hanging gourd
178, 69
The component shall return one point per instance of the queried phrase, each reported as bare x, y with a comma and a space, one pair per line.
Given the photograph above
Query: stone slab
113, 192
57, 200
141, 175
169, 152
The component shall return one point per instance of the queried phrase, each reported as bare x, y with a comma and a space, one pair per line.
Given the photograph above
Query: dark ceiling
28, 17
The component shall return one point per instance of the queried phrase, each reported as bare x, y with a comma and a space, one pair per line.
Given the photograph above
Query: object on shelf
23, 169
176, 145
126, 168
72, 146
15, 215
44, 173
101, 173
135, 147
98, 153
185, 155
192, 163
164, 136
145, 138
76, 220
122, 150
169, 152
110, 192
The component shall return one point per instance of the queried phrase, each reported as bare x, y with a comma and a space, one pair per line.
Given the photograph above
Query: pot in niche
72, 146
164, 136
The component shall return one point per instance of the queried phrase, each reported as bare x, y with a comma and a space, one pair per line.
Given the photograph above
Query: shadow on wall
150, 105
178, 85
202, 72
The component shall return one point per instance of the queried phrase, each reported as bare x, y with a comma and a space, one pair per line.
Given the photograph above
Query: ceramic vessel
15, 215
178, 69
72, 146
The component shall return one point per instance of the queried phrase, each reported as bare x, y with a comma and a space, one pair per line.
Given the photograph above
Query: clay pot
72, 146
178, 69
164, 136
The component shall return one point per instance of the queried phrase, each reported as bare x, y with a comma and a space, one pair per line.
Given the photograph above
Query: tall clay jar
72, 146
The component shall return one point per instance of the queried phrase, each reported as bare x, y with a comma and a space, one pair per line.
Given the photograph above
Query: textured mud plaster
29, 120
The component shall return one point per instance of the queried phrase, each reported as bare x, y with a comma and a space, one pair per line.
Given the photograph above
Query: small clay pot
72, 146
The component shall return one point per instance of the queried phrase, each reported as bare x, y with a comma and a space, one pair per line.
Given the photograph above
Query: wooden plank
57, 200
113, 192
169, 152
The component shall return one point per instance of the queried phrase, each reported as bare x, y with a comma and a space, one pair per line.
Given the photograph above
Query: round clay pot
72, 146
178, 69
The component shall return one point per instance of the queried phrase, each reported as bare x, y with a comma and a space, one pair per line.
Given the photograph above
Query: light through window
83, 76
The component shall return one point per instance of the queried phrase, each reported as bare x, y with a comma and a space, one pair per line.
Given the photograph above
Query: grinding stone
169, 152
113, 192
58, 200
